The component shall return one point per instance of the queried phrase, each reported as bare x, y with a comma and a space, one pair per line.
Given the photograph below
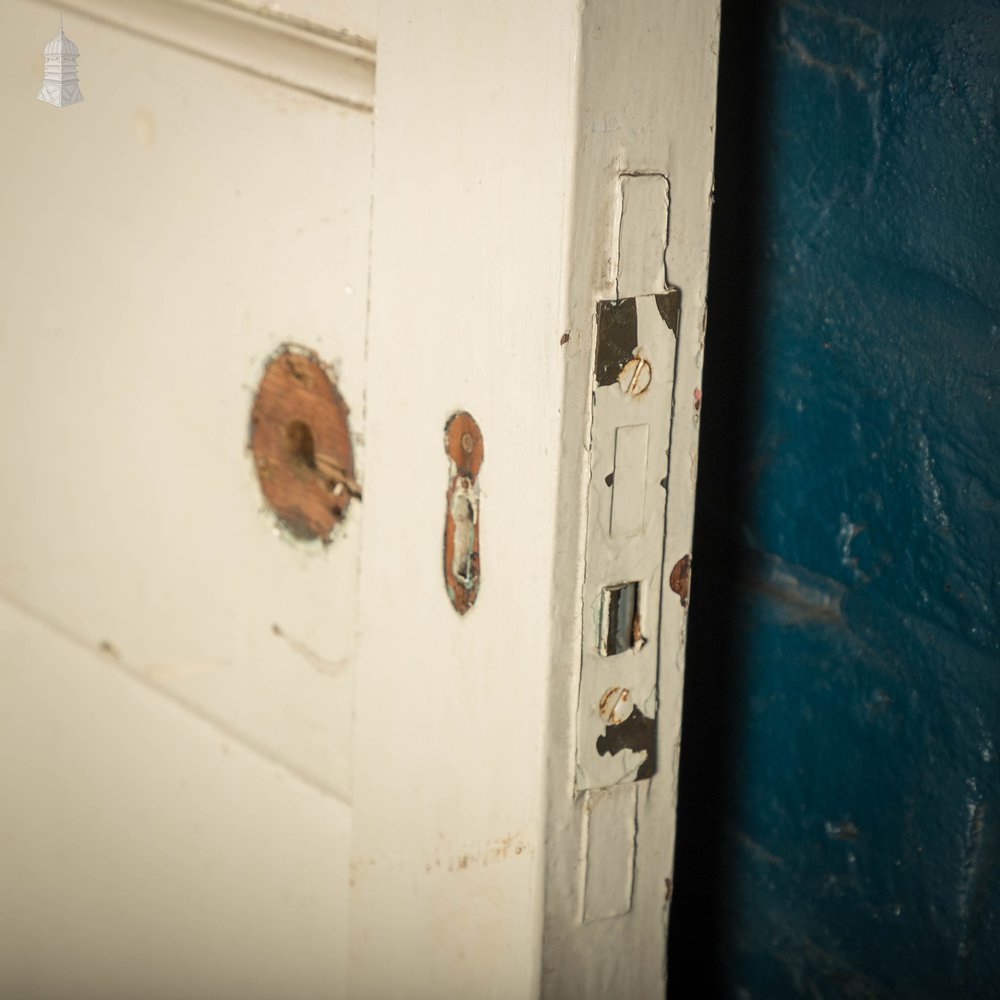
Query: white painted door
236, 764
533, 161
175, 672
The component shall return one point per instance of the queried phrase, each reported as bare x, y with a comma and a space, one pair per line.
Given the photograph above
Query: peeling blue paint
859, 787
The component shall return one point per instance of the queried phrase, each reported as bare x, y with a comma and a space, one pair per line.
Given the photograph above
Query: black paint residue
636, 733
617, 338
669, 304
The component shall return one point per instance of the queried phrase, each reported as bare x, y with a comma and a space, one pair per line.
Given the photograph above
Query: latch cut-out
620, 626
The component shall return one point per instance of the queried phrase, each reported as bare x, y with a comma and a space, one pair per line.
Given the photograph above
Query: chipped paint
617, 339
669, 306
491, 853
633, 732
662, 125
680, 579
633, 395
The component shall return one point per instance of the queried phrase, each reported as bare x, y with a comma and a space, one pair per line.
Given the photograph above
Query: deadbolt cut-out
301, 445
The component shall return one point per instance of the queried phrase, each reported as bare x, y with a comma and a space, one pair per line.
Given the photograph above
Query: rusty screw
615, 706
635, 376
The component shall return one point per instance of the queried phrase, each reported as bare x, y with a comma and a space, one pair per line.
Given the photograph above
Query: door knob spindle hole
300, 445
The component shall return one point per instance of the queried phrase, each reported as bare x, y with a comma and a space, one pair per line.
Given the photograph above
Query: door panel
144, 854
163, 238
160, 241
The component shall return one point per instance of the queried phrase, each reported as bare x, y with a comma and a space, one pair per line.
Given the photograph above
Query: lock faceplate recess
630, 441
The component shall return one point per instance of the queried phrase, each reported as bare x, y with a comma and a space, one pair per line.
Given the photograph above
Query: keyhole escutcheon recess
301, 445
463, 444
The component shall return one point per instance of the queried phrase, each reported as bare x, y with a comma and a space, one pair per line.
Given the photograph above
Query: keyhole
464, 519
299, 441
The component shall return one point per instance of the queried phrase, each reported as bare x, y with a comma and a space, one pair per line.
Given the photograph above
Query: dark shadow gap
713, 685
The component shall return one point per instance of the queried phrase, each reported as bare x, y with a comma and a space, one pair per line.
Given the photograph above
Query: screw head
615, 706
635, 376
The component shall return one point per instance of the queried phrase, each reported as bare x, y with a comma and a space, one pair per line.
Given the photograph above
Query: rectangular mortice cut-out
609, 852
642, 235
628, 489
619, 618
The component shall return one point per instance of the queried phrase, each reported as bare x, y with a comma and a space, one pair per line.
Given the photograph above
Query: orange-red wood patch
301, 445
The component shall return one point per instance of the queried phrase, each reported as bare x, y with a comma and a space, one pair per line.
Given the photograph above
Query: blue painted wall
840, 774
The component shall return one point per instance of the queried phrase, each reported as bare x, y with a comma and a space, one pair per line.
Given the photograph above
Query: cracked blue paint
863, 844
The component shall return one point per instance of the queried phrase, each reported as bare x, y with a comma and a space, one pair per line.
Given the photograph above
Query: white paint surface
354, 17
608, 852
646, 105
503, 130
642, 235
636, 555
175, 807
180, 776
188, 250
471, 187
145, 855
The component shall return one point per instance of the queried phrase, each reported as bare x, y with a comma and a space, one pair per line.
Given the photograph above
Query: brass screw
615, 706
635, 376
